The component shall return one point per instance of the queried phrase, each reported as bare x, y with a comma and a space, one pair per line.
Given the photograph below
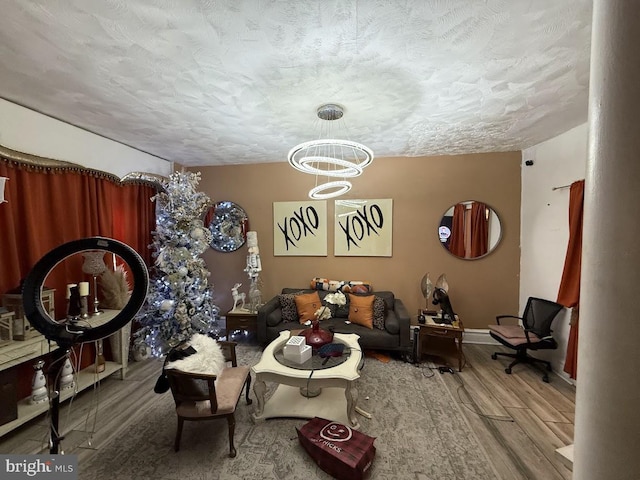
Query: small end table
247, 321
433, 329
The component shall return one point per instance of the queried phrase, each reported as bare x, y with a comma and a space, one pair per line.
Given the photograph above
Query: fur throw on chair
208, 358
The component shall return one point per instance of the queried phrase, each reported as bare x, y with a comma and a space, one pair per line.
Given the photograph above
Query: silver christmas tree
179, 302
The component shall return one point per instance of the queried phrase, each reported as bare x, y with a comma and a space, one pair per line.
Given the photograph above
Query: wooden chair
206, 397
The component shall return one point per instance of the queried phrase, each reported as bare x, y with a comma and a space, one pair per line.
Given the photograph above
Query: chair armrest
193, 375
404, 320
526, 334
229, 350
263, 313
175, 376
499, 317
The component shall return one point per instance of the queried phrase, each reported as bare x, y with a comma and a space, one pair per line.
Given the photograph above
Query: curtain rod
561, 187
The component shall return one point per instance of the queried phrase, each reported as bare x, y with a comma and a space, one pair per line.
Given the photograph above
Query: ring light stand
65, 334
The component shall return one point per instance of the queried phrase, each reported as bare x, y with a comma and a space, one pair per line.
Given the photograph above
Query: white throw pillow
208, 358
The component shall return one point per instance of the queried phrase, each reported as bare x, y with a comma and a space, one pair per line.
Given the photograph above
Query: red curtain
569, 291
456, 241
49, 207
479, 230
134, 217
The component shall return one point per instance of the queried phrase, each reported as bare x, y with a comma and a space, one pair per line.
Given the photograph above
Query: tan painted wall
422, 189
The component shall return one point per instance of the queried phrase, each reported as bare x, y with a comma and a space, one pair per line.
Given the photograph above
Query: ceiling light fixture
330, 157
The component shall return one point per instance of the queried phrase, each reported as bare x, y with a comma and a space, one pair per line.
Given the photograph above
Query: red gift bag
342, 452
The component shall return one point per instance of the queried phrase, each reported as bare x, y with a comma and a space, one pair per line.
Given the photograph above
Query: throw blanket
345, 286
208, 358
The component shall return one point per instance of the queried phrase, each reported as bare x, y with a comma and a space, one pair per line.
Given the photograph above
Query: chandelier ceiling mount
330, 156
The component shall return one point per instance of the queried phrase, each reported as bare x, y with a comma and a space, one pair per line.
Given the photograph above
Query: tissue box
297, 350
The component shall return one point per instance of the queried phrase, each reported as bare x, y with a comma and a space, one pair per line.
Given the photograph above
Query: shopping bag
342, 452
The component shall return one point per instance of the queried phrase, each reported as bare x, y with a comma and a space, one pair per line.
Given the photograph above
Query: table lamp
94, 265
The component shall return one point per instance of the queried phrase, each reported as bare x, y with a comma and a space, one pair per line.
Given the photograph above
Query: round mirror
228, 224
75, 271
470, 230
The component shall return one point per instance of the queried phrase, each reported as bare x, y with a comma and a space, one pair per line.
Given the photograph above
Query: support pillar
607, 425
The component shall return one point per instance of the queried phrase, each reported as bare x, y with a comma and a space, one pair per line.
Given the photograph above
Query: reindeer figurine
238, 297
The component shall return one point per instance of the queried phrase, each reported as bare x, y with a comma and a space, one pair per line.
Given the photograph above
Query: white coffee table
337, 398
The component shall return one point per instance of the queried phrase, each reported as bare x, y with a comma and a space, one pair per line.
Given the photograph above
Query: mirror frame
490, 249
59, 332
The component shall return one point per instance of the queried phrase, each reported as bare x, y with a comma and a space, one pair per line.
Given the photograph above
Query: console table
431, 328
247, 321
17, 352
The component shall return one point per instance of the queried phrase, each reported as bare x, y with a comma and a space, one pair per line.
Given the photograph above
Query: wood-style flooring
519, 420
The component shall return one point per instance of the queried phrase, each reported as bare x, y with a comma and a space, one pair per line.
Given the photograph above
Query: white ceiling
238, 81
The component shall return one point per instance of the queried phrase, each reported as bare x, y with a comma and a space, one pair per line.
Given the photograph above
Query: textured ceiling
238, 81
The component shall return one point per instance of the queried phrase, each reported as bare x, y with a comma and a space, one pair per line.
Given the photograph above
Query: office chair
534, 334
206, 397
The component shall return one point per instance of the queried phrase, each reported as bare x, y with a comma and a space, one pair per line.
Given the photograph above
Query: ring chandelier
330, 157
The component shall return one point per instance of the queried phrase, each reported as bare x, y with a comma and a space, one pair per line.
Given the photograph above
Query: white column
607, 426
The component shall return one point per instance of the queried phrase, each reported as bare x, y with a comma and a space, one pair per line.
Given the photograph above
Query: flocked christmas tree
179, 302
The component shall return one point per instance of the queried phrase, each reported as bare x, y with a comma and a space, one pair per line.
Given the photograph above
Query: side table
247, 321
432, 329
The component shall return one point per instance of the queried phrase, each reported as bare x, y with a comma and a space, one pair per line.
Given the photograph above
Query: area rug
420, 434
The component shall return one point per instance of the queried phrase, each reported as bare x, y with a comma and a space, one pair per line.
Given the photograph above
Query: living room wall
545, 223
422, 189
31, 132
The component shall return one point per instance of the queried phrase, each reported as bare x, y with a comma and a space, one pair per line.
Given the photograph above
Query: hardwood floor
518, 419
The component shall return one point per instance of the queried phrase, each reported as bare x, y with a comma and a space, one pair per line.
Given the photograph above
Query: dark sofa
394, 337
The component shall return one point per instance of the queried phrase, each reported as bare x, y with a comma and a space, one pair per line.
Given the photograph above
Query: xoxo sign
364, 227
300, 228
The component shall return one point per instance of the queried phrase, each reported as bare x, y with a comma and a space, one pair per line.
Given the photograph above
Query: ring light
63, 333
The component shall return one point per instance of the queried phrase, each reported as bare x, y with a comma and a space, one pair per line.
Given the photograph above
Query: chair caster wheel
545, 379
507, 370
494, 356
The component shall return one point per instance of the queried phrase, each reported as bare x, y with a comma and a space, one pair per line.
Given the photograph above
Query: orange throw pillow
307, 305
361, 310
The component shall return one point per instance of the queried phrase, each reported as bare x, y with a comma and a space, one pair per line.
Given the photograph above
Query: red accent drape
456, 241
47, 208
569, 291
479, 230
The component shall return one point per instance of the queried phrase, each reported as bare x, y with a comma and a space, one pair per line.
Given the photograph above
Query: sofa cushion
391, 322
275, 317
307, 304
361, 309
288, 306
388, 297
379, 312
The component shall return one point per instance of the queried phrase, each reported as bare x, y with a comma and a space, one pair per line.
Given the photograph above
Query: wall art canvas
363, 227
300, 228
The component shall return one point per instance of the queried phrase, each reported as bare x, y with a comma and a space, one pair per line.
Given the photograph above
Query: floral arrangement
337, 298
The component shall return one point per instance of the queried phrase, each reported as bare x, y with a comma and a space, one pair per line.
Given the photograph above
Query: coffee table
336, 395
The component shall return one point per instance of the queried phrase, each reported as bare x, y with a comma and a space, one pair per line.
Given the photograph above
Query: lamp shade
94, 262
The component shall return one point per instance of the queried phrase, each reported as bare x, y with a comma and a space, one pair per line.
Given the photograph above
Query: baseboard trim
479, 336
